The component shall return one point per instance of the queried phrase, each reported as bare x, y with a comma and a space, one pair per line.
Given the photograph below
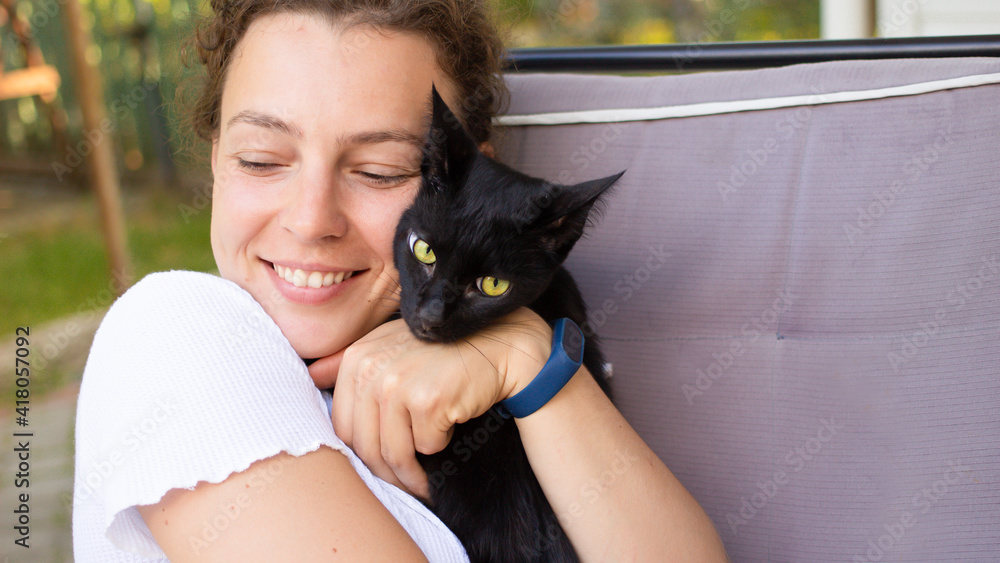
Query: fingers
368, 439
398, 451
343, 401
383, 439
396, 396
324, 370
371, 420
431, 434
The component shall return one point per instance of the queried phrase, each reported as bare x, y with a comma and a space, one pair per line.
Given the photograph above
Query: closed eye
384, 180
255, 166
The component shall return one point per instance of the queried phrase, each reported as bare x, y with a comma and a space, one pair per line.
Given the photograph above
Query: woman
201, 435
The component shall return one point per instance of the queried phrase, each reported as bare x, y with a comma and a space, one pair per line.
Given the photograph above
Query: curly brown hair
468, 46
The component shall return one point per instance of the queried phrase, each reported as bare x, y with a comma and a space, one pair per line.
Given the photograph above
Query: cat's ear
450, 149
565, 216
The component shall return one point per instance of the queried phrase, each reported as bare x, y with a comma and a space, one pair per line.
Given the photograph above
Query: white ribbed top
189, 380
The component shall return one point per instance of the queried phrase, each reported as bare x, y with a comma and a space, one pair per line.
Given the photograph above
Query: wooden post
97, 128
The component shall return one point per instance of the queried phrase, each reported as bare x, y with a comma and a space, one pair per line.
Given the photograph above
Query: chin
310, 341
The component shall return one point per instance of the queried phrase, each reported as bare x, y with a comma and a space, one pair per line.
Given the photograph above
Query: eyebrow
374, 137
360, 138
266, 121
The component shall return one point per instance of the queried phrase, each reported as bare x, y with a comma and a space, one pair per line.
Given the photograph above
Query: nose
431, 313
315, 207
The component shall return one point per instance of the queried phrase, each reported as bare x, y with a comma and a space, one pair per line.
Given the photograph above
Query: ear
449, 149
486, 148
566, 216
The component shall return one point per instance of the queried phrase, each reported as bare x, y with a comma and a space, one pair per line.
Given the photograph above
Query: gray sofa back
802, 304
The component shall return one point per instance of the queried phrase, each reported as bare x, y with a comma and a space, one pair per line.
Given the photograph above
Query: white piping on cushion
716, 108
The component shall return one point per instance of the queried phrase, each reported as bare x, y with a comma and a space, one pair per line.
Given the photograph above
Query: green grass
53, 271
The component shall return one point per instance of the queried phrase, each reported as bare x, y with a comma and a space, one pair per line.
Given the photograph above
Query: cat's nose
431, 314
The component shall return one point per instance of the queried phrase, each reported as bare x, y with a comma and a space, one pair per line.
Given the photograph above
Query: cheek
222, 227
237, 216
381, 216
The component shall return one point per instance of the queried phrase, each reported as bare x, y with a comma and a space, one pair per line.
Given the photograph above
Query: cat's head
480, 239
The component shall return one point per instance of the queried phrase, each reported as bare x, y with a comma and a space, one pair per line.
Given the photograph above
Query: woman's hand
396, 395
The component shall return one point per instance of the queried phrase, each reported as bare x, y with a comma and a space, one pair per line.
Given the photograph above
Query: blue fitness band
563, 363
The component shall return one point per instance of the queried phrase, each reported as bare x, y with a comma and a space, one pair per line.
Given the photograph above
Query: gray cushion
802, 305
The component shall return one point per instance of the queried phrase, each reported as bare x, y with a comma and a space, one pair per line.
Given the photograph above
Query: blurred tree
688, 17
607, 22
138, 48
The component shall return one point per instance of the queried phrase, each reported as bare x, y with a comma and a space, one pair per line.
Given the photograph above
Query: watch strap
563, 363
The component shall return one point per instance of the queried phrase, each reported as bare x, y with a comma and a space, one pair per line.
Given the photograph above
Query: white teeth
315, 280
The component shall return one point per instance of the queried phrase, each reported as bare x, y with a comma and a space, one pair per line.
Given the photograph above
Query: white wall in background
908, 18
846, 19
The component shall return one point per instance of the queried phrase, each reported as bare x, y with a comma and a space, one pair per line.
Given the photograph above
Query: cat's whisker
513, 326
390, 305
391, 295
393, 282
499, 340
461, 228
480, 352
384, 301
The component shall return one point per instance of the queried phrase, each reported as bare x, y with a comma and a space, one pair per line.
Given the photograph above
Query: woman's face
318, 155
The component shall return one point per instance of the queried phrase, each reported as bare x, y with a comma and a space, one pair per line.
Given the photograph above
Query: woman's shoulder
180, 290
183, 306
181, 326
199, 345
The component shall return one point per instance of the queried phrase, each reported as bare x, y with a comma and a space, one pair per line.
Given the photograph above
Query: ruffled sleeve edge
125, 528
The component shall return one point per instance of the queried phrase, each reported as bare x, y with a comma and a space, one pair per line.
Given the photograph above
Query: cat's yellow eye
421, 250
493, 287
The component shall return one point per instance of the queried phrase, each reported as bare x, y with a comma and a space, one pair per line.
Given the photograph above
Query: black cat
480, 241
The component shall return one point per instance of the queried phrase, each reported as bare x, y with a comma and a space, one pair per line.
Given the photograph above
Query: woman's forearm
613, 496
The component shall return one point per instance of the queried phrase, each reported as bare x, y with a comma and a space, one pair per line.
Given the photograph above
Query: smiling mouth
315, 280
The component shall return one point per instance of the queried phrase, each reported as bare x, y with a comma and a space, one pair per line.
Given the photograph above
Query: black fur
482, 218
